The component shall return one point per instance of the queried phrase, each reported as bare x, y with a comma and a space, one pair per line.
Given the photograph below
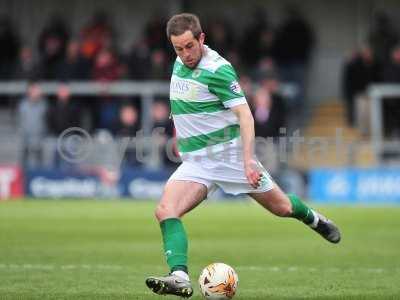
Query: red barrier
11, 182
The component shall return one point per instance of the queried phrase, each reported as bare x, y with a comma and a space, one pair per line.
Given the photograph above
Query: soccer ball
218, 281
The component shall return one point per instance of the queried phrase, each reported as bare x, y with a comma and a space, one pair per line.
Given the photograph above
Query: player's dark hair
181, 23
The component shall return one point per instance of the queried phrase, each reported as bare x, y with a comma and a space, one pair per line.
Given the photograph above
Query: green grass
104, 250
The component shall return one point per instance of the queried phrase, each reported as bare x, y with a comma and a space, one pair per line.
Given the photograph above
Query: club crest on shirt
235, 87
196, 73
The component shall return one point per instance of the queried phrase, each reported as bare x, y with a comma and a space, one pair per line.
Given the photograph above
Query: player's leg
270, 196
179, 197
280, 204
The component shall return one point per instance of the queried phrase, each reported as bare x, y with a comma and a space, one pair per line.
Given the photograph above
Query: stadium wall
377, 186
353, 185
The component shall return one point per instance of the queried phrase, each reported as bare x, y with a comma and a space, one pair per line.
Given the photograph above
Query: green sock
301, 211
175, 244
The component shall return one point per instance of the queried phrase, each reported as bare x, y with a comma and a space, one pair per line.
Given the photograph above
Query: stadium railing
146, 90
381, 145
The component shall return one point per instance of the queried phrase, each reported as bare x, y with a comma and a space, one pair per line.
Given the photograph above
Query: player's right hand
253, 174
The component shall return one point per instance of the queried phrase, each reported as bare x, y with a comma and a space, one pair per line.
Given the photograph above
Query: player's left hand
253, 175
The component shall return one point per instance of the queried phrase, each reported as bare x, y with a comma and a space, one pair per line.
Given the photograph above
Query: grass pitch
105, 249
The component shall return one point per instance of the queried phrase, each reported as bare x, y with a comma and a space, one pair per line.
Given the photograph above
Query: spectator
234, 58
106, 114
106, 66
160, 69
139, 62
52, 47
268, 109
391, 106
26, 67
264, 68
391, 72
128, 126
266, 43
359, 72
294, 40
63, 114
269, 116
97, 35
74, 66
292, 48
382, 38
162, 125
160, 115
250, 47
32, 126
219, 38
9, 49
155, 32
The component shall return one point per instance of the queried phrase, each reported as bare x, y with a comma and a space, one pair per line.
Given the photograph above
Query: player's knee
162, 212
159, 212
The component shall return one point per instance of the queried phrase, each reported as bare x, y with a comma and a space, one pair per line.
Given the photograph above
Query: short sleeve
226, 87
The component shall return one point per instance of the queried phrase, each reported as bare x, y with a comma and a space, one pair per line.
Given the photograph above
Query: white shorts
230, 177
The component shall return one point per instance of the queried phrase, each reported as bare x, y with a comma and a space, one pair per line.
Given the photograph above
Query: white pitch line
29, 266
61, 267
315, 269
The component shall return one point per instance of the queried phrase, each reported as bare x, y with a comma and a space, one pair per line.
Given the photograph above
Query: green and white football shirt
201, 99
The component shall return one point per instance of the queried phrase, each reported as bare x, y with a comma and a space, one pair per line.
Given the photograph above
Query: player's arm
225, 85
246, 122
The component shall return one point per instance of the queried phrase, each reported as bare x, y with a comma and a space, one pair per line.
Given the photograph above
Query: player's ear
202, 37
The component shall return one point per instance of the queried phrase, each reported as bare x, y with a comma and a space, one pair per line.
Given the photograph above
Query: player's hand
253, 174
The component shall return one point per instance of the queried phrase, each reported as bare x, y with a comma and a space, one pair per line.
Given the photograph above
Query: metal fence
147, 91
377, 94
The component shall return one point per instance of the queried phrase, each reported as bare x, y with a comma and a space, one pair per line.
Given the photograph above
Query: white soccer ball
218, 281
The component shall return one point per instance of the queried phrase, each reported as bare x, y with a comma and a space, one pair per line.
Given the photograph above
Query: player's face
188, 48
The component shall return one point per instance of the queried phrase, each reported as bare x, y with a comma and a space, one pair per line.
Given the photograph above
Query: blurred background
327, 73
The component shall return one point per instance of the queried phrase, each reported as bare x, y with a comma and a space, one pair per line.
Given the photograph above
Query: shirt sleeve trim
234, 102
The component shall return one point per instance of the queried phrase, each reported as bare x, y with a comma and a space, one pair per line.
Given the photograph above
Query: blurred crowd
40, 120
93, 52
264, 55
378, 61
